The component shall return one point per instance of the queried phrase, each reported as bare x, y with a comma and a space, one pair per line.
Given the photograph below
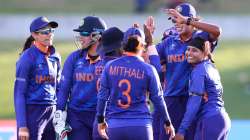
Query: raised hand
176, 16
150, 24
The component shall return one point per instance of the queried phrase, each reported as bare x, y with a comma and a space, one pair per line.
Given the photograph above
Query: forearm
212, 29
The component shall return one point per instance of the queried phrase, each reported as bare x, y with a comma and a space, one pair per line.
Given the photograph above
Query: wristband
167, 123
189, 19
100, 119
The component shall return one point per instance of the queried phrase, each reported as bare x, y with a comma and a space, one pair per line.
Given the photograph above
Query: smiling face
85, 41
44, 36
183, 29
194, 55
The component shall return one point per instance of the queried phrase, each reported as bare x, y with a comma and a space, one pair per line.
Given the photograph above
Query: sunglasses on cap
46, 31
84, 33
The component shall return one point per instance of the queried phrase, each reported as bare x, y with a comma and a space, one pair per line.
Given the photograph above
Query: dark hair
116, 52
131, 45
27, 43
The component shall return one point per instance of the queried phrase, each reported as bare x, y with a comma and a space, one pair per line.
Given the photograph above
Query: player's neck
43, 48
92, 50
186, 36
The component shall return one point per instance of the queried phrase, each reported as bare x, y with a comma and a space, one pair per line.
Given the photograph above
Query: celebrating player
172, 53
125, 82
37, 76
78, 87
205, 96
109, 49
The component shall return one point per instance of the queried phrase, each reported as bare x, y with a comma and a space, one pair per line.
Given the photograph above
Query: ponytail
131, 45
210, 56
28, 43
207, 50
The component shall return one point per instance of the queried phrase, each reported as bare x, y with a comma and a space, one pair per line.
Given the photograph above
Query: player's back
129, 81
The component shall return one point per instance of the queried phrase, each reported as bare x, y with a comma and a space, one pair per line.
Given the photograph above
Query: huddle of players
107, 81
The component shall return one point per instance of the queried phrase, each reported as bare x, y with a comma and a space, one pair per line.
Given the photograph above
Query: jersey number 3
126, 93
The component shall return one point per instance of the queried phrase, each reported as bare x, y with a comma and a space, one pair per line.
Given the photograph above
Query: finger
150, 21
23, 138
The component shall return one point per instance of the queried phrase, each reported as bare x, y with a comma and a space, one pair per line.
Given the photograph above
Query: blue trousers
215, 127
176, 109
82, 124
39, 122
130, 133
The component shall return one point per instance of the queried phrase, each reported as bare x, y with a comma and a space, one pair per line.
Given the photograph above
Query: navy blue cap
186, 9
92, 24
197, 42
134, 31
111, 40
41, 22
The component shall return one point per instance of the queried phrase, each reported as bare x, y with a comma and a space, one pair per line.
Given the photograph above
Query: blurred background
232, 57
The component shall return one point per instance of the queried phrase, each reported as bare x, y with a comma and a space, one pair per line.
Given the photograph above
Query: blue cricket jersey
78, 85
124, 83
169, 32
206, 85
37, 76
172, 53
100, 67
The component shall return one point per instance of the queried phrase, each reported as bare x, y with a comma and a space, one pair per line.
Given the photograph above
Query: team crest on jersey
172, 46
40, 66
79, 64
178, 8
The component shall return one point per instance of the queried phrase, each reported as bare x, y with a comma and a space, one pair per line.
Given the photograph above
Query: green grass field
232, 59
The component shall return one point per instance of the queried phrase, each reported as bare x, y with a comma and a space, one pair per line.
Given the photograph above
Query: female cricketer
37, 76
78, 86
205, 96
124, 84
172, 53
109, 49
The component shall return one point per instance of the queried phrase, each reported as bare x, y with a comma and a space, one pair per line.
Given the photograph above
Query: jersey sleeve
66, 83
160, 47
23, 70
156, 94
196, 90
155, 61
197, 82
192, 108
104, 93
